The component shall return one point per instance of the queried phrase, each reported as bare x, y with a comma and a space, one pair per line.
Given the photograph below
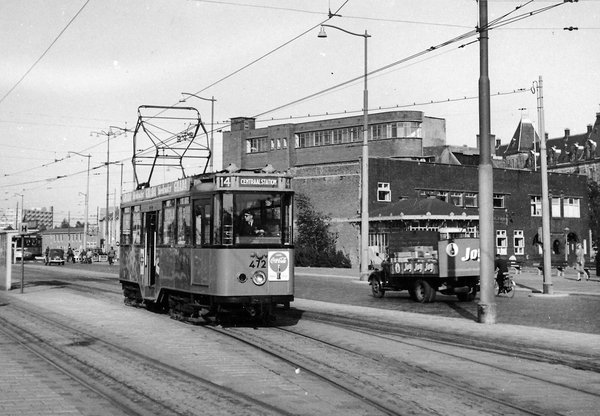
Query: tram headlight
242, 278
259, 278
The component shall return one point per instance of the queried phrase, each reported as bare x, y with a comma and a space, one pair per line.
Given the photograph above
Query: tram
208, 244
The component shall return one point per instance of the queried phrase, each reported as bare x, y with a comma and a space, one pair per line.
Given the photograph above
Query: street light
212, 116
108, 135
87, 195
364, 216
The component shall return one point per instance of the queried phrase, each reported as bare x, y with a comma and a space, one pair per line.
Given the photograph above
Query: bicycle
508, 288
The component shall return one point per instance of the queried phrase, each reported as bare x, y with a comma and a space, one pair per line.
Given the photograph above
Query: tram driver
250, 226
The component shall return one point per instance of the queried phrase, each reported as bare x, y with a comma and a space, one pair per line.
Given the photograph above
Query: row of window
264, 144
570, 206
337, 136
502, 242
66, 237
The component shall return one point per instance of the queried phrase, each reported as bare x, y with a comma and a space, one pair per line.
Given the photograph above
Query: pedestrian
580, 267
46, 257
70, 256
111, 256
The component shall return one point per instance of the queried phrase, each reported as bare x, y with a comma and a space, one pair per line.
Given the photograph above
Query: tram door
150, 249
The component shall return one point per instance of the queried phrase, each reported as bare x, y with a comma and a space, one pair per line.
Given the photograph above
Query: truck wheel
423, 291
469, 296
378, 292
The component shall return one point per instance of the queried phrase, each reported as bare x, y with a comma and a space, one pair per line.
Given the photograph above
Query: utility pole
547, 285
486, 309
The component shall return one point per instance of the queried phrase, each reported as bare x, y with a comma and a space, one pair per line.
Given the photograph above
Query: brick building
68, 237
394, 133
405, 151
335, 190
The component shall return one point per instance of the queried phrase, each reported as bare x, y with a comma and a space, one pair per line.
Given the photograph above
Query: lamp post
87, 195
364, 212
110, 133
212, 118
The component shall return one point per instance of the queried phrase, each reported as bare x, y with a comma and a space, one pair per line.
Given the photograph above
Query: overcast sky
72, 67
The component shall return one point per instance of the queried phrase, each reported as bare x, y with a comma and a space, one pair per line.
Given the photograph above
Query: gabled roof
426, 208
523, 140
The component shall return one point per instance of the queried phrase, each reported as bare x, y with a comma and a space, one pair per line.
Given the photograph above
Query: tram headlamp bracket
259, 278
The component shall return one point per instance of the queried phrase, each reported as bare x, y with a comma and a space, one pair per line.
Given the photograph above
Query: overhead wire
491, 25
45, 52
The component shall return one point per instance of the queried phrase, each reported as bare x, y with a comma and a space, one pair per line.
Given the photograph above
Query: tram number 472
258, 264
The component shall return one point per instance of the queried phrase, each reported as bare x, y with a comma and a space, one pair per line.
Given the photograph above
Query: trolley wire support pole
486, 309
364, 212
108, 135
547, 284
87, 200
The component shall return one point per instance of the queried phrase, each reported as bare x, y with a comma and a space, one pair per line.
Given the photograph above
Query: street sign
23, 228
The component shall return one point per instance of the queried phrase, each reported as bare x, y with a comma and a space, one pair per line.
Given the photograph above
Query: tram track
123, 376
579, 361
407, 370
377, 389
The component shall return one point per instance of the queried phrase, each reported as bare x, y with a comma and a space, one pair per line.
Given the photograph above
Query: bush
315, 243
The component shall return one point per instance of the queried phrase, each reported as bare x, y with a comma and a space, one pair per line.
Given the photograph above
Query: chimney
567, 133
589, 128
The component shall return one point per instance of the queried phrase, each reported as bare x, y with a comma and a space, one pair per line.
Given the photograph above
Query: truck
423, 264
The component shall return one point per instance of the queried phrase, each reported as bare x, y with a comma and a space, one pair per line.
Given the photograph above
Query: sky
71, 69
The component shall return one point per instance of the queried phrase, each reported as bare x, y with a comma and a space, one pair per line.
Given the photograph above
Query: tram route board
220, 181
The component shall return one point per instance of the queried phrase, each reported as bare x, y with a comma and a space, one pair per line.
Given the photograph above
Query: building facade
405, 151
68, 237
395, 133
335, 190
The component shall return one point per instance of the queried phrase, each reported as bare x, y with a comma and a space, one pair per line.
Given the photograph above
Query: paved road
574, 306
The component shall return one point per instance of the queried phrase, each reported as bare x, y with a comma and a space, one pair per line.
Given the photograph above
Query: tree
79, 224
65, 224
594, 206
315, 243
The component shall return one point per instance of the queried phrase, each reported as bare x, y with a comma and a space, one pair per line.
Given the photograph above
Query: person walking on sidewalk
580, 267
111, 256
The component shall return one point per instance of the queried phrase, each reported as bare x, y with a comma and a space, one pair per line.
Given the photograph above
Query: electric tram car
210, 243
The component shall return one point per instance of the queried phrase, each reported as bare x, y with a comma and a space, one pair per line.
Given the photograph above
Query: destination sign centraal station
219, 181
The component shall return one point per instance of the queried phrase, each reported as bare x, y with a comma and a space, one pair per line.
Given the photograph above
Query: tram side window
126, 227
202, 216
184, 221
225, 229
137, 225
169, 223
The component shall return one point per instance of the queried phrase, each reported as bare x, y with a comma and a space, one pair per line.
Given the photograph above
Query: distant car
56, 255
27, 255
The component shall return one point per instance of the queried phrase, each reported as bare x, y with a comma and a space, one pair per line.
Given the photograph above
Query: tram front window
263, 218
